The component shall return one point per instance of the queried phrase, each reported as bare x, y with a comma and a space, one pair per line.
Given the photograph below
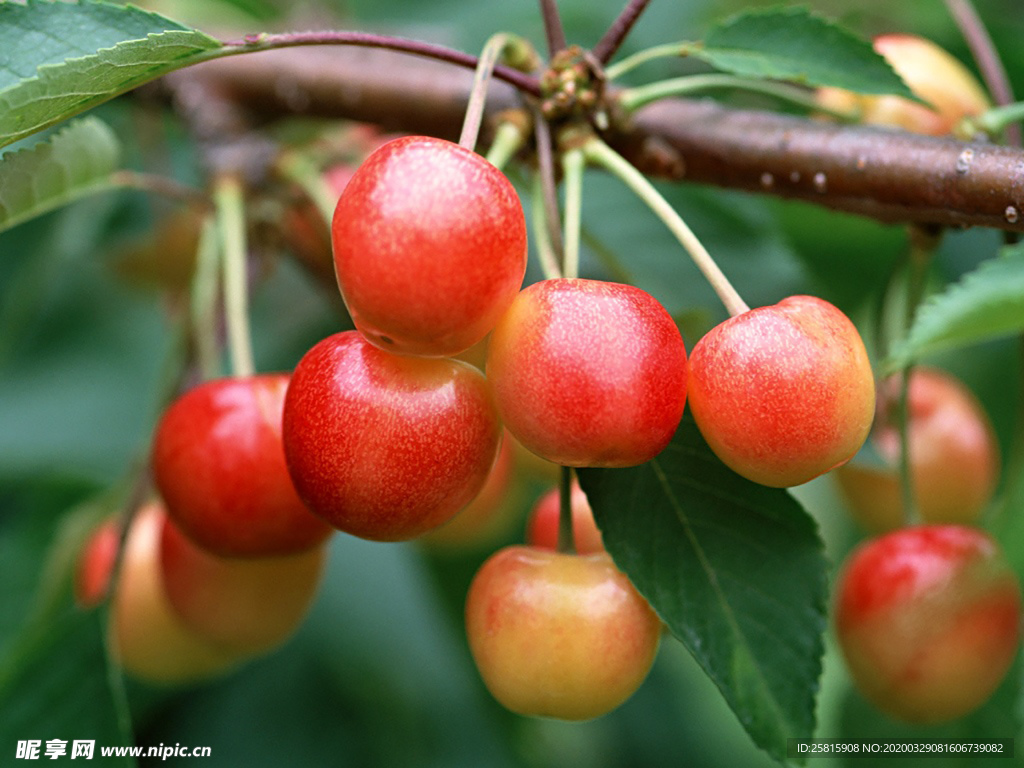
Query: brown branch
608, 45
887, 175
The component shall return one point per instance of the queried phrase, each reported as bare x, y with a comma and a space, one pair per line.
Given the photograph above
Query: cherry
96, 564
243, 606
148, 637
928, 619
219, 465
932, 74
543, 524
954, 457
588, 373
783, 393
559, 635
429, 246
383, 446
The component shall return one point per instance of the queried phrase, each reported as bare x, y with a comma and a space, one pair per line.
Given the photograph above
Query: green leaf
793, 44
75, 162
64, 58
985, 304
735, 569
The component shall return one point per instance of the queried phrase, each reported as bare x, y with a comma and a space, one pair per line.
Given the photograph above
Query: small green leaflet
75, 162
985, 304
735, 569
793, 44
60, 59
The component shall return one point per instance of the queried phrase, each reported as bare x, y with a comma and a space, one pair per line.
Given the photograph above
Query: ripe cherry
928, 619
954, 457
783, 393
542, 526
96, 564
219, 465
588, 373
384, 446
429, 246
559, 635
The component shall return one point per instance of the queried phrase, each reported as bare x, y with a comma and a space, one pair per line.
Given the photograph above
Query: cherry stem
573, 166
993, 72
553, 30
549, 193
609, 43
229, 201
265, 42
304, 172
996, 120
566, 535
160, 185
633, 98
203, 304
604, 156
492, 51
508, 140
664, 51
546, 255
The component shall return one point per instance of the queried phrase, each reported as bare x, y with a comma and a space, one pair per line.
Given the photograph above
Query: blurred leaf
986, 303
74, 162
793, 44
63, 58
735, 569
998, 718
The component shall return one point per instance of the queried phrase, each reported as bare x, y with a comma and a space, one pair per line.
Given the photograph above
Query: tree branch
886, 175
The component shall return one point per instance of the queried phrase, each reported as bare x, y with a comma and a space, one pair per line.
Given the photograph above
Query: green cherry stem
300, 169
478, 93
508, 140
228, 199
666, 51
601, 154
546, 255
573, 165
566, 536
633, 98
996, 120
203, 304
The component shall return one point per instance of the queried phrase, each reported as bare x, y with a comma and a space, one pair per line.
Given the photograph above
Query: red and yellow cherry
588, 373
148, 637
96, 564
542, 526
219, 465
954, 458
932, 74
244, 606
487, 517
429, 246
928, 619
559, 635
783, 393
383, 446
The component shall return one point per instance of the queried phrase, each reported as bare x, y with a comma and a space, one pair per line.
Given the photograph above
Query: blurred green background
380, 675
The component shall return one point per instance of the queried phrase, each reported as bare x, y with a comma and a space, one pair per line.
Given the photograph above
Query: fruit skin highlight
783, 393
558, 635
954, 458
928, 619
588, 373
429, 246
383, 446
219, 464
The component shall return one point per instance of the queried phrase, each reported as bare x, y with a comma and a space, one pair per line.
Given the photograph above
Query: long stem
553, 30
573, 165
566, 536
601, 154
612, 39
546, 169
203, 306
634, 98
297, 167
542, 232
995, 120
664, 51
508, 140
228, 198
987, 57
265, 42
478, 93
